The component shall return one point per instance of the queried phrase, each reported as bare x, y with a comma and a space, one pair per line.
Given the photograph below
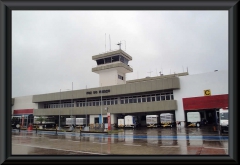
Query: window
130, 100
108, 102
172, 98
115, 58
153, 97
112, 101
96, 120
168, 96
126, 100
134, 99
100, 62
89, 103
116, 101
105, 120
158, 97
122, 100
163, 97
139, 99
143, 98
97, 103
108, 60
148, 98
120, 77
104, 102
121, 58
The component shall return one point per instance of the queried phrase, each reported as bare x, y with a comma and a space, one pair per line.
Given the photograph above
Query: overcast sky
52, 49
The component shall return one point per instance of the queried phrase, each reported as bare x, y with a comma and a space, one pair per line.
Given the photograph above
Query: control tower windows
115, 58
107, 60
112, 59
100, 61
120, 77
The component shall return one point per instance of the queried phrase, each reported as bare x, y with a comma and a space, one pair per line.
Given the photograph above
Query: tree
41, 119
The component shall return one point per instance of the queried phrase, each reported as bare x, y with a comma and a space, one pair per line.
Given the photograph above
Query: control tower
112, 67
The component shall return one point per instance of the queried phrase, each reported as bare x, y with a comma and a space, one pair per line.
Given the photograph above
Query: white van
223, 119
194, 119
130, 121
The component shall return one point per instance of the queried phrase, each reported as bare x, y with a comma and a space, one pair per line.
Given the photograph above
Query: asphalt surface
140, 141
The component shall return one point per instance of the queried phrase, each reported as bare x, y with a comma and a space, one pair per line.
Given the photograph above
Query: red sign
23, 111
205, 102
109, 121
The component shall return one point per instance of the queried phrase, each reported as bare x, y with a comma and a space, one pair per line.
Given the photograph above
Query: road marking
215, 147
169, 146
20, 136
61, 149
131, 145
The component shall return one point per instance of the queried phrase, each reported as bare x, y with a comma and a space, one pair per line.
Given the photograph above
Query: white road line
131, 145
169, 146
215, 147
60, 149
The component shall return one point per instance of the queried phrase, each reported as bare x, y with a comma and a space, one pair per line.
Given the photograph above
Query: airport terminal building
177, 94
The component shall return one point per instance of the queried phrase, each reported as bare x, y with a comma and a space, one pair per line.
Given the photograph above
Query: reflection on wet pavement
144, 141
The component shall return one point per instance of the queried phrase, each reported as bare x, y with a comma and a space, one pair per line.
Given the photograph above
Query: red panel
205, 102
23, 111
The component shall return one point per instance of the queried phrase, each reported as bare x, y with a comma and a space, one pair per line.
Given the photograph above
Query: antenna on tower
150, 73
110, 42
119, 45
187, 69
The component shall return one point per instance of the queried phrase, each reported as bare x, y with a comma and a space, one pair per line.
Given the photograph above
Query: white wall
108, 77
24, 102
194, 85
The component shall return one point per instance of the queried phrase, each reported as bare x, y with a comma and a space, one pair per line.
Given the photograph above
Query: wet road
143, 141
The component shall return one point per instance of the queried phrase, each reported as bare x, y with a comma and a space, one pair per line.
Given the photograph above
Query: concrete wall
108, 77
194, 86
167, 105
24, 102
129, 88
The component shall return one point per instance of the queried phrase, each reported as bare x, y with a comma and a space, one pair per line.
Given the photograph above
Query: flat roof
157, 77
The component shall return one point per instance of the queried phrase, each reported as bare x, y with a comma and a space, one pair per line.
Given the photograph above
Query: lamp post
59, 113
72, 103
59, 109
109, 118
86, 107
101, 105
